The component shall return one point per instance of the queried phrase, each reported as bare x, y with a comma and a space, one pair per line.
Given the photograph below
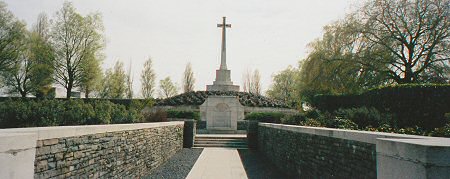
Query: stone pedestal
223, 82
221, 112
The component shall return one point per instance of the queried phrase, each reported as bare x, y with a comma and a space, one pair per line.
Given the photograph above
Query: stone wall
104, 151
309, 152
309, 156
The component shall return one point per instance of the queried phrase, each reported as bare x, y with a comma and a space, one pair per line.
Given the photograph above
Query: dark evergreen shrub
269, 117
183, 114
197, 98
412, 105
157, 116
295, 119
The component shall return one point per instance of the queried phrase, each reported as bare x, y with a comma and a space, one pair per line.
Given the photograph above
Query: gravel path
178, 166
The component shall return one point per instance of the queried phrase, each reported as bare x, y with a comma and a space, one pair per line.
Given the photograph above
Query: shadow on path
178, 165
258, 167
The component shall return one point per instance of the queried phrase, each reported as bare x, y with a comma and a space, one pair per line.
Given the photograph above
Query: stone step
205, 131
219, 139
221, 142
206, 136
221, 146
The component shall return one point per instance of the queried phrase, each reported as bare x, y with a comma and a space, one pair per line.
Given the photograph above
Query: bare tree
148, 78
247, 81
256, 83
188, 79
416, 32
252, 82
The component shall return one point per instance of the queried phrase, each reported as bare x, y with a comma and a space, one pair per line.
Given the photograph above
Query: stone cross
223, 59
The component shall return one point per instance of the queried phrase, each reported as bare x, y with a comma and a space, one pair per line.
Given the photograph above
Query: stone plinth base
222, 88
223, 82
221, 112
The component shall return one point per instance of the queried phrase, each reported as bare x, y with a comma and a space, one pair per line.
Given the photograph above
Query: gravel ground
178, 166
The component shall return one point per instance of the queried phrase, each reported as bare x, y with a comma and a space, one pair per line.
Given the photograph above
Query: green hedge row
125, 102
183, 114
51, 112
367, 119
412, 105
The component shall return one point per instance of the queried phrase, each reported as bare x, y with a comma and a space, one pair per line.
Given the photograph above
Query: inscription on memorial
222, 115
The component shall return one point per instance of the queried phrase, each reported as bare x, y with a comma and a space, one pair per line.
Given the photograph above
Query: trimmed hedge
125, 102
349, 119
198, 98
183, 114
52, 112
412, 105
269, 117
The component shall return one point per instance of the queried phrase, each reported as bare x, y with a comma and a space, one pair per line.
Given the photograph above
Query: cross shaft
223, 58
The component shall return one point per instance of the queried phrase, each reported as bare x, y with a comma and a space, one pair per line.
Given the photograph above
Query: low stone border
19, 157
394, 155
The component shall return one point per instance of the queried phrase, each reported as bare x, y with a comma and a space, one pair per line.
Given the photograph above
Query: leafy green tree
75, 39
341, 62
11, 39
188, 79
91, 75
148, 78
31, 73
42, 56
114, 83
167, 88
284, 86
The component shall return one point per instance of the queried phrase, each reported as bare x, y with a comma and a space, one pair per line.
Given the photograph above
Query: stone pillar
252, 134
17, 153
189, 133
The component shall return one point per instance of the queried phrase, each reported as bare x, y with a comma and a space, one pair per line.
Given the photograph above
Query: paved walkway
218, 163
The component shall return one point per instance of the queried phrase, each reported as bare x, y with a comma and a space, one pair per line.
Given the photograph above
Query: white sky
267, 35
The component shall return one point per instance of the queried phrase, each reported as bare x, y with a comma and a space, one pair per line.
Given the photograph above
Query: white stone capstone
221, 112
17, 152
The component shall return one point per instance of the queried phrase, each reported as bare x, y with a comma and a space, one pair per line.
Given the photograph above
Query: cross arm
226, 25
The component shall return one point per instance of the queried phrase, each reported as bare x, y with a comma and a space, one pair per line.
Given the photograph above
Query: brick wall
118, 154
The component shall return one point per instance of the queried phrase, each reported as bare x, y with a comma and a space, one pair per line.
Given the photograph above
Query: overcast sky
267, 35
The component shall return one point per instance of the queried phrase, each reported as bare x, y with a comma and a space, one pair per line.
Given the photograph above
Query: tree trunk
86, 93
69, 90
23, 94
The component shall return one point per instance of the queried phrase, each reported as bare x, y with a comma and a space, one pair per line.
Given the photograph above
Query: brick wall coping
363, 136
44, 133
